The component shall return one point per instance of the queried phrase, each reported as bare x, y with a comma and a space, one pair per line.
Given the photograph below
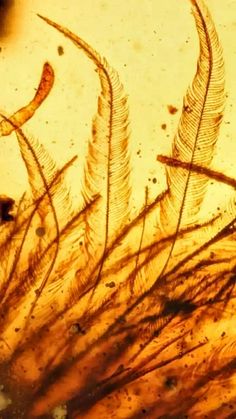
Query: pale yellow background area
154, 47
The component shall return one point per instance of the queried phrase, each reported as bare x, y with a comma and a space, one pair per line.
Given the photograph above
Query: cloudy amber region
117, 210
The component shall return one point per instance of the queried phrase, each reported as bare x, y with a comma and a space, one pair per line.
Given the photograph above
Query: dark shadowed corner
6, 18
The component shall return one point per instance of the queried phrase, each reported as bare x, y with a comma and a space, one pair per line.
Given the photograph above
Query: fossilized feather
107, 168
198, 128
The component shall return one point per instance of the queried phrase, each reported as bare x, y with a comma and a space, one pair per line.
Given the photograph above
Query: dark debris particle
176, 306
60, 50
111, 284
121, 319
170, 382
40, 231
172, 109
17, 329
233, 278
75, 328
163, 126
154, 180
6, 206
187, 109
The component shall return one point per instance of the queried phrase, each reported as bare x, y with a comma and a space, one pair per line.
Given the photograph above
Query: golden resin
117, 291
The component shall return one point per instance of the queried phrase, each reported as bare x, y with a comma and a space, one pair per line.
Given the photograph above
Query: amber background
154, 47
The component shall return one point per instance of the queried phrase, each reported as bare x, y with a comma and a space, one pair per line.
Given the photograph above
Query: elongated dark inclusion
107, 314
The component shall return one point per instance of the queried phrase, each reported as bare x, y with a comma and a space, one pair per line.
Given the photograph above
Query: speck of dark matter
40, 231
172, 109
60, 50
76, 328
170, 382
154, 180
163, 126
110, 284
187, 109
6, 206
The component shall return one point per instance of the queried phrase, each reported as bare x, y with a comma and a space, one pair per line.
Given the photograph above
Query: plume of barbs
99, 355
30, 244
188, 172
107, 167
194, 145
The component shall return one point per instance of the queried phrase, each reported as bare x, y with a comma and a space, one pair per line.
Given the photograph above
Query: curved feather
198, 128
106, 169
41, 171
51, 197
